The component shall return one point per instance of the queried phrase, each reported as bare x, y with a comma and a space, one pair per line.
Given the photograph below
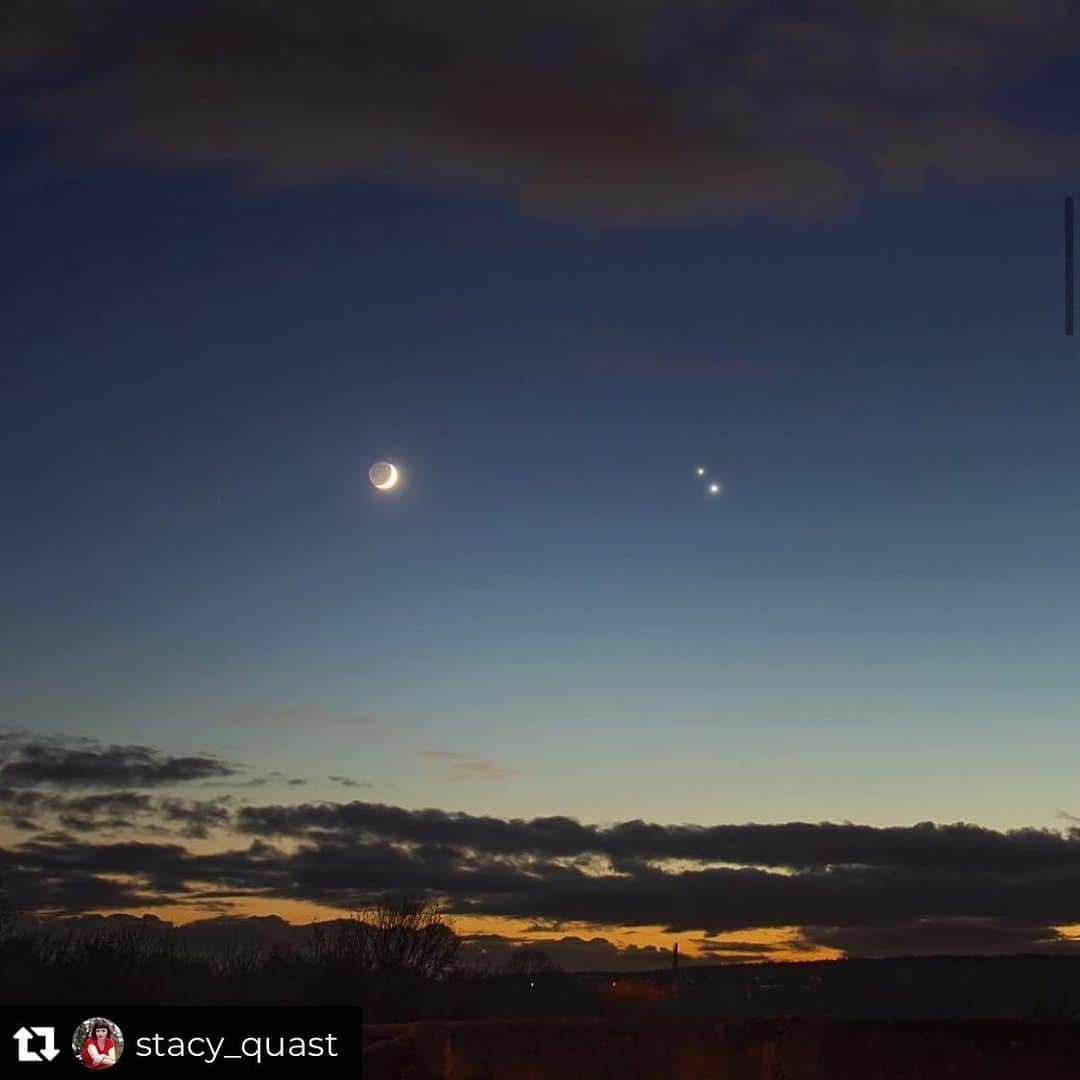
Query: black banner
42, 1040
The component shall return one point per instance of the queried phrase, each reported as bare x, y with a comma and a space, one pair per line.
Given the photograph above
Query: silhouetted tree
529, 960
407, 937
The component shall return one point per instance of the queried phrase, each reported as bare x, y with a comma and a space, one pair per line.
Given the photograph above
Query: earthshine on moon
383, 475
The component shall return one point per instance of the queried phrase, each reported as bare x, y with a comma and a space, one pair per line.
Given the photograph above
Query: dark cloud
111, 812
28, 809
275, 776
1033, 892
35, 36
78, 762
633, 112
22, 808
195, 818
45, 876
214, 934
941, 937
346, 781
568, 953
862, 889
94, 813
795, 845
738, 952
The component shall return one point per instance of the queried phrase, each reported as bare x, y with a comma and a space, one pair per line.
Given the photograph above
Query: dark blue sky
203, 374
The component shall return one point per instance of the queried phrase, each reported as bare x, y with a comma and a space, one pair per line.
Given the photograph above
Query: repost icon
25, 1036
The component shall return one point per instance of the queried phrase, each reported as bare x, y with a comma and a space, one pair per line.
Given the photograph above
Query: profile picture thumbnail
97, 1043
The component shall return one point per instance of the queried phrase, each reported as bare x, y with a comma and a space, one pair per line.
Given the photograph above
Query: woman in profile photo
99, 1049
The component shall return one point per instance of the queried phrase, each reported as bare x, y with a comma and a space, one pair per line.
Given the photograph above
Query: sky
547, 265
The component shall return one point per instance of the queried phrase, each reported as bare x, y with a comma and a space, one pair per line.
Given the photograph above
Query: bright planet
383, 475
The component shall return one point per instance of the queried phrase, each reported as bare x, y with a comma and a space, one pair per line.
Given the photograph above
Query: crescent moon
391, 480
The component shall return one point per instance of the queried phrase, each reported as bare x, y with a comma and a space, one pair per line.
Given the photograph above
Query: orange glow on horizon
784, 940
302, 913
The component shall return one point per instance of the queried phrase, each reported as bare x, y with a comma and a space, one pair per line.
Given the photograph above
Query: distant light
700, 470
531, 983
715, 489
